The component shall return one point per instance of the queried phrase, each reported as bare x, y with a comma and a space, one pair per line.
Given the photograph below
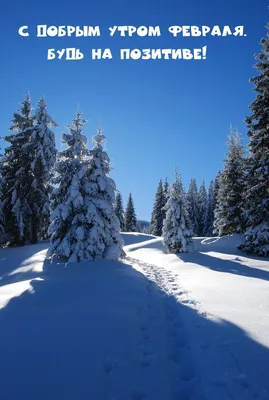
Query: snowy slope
152, 327
232, 291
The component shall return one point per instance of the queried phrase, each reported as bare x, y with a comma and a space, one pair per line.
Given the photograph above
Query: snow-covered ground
156, 326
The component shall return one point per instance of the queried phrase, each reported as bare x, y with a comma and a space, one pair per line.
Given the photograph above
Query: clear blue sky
154, 113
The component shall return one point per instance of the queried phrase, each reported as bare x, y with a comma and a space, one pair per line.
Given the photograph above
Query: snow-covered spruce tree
69, 222
216, 192
193, 206
119, 210
202, 201
83, 222
43, 151
257, 191
177, 232
130, 220
216, 187
209, 212
166, 189
18, 178
105, 238
229, 210
2, 229
158, 212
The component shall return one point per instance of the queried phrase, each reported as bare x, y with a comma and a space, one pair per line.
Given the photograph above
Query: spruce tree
83, 222
18, 177
130, 220
177, 232
119, 210
202, 201
2, 229
257, 191
216, 192
216, 187
193, 206
209, 212
166, 189
105, 240
229, 210
158, 212
44, 156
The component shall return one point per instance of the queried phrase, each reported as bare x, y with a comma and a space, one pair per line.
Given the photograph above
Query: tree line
68, 196
238, 199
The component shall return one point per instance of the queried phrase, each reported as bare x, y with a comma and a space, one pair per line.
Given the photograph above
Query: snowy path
105, 332
167, 343
230, 362
165, 347
152, 327
206, 365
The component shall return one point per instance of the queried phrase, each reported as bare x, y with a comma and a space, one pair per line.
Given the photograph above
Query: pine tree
44, 156
130, 217
119, 210
158, 212
18, 178
202, 201
193, 206
257, 191
177, 231
209, 212
229, 210
84, 225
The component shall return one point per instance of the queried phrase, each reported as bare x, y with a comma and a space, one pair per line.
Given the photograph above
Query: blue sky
155, 113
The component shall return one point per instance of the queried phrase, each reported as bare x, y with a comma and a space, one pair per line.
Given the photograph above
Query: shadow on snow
16, 265
200, 257
105, 331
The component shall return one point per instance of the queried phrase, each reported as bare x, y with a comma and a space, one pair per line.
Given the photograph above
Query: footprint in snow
145, 362
137, 395
175, 357
186, 373
179, 293
182, 395
205, 345
180, 342
241, 379
139, 311
146, 335
143, 328
171, 280
192, 302
110, 365
152, 317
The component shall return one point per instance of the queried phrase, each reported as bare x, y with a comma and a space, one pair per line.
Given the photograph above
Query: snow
83, 226
177, 231
153, 326
232, 290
